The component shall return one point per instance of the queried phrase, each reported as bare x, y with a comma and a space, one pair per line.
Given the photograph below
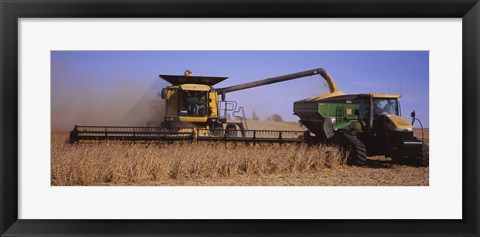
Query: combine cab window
385, 106
193, 103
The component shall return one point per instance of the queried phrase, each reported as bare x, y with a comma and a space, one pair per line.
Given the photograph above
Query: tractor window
385, 106
193, 103
363, 109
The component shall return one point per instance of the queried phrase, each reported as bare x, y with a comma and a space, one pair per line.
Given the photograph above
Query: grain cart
367, 124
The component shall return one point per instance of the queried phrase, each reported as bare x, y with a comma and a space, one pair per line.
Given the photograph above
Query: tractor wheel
231, 130
396, 159
358, 151
423, 159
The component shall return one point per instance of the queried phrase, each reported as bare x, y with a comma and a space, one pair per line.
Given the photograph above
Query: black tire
217, 130
396, 159
423, 159
358, 151
231, 130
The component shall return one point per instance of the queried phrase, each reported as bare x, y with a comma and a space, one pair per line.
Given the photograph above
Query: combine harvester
364, 124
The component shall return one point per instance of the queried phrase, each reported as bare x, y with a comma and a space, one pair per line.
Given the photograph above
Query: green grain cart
366, 124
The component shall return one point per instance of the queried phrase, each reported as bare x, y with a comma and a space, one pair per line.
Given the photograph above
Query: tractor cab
374, 108
384, 106
383, 130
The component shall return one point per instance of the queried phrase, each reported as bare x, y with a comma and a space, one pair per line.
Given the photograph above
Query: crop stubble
217, 164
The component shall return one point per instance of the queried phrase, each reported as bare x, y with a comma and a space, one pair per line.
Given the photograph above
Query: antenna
400, 81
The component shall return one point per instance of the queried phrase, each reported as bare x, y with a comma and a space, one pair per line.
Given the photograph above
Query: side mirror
164, 93
412, 114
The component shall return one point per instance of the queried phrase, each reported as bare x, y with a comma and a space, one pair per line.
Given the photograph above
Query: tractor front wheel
421, 159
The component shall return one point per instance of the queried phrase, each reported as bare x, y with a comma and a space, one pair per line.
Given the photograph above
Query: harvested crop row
127, 164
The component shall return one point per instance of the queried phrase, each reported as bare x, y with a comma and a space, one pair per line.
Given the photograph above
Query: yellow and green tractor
367, 124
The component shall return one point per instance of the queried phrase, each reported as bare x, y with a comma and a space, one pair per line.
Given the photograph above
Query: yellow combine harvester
192, 101
196, 110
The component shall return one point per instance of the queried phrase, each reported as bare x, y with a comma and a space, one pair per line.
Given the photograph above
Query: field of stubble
217, 164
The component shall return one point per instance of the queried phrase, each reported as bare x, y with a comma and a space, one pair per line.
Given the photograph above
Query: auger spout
321, 71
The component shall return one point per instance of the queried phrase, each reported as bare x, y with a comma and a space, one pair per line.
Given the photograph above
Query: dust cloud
125, 103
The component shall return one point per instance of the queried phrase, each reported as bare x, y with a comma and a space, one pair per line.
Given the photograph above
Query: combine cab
193, 102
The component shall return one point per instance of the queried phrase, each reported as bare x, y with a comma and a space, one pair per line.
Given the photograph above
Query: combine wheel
231, 130
217, 130
358, 151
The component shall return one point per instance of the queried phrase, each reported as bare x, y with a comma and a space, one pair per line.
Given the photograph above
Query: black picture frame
11, 11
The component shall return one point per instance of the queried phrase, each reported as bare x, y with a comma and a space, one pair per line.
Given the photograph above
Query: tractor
366, 124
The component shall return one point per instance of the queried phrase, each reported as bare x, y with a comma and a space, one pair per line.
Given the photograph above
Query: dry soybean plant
128, 164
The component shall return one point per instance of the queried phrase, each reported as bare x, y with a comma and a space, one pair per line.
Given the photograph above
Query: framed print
183, 118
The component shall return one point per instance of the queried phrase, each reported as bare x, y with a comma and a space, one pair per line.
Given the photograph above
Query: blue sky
98, 86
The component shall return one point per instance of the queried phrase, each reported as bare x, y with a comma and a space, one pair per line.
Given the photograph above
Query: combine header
98, 133
364, 124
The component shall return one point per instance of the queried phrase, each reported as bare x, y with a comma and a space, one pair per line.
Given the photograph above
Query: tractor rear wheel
358, 151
